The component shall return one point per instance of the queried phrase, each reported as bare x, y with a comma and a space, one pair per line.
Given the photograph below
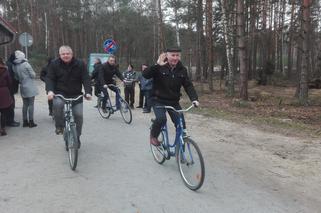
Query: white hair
65, 47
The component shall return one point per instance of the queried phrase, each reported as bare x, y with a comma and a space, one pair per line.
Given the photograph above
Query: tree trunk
229, 51
303, 93
290, 44
242, 50
209, 33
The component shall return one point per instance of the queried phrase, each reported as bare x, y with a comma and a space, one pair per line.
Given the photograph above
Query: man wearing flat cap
169, 75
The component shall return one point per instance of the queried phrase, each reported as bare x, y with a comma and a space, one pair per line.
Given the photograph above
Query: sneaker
59, 131
154, 141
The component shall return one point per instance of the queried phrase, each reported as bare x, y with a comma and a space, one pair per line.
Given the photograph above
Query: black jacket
67, 79
167, 83
94, 74
107, 72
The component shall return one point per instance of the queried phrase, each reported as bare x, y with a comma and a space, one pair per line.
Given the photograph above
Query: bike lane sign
110, 46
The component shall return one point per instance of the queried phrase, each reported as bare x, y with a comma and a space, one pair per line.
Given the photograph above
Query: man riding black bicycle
105, 76
169, 75
66, 76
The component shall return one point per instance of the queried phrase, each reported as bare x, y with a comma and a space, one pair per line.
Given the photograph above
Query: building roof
7, 32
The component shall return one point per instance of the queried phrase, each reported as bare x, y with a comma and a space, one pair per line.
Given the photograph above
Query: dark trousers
130, 95
50, 103
10, 113
141, 97
160, 120
147, 97
106, 96
4, 114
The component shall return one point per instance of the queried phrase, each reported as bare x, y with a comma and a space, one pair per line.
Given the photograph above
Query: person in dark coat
43, 74
94, 77
105, 75
146, 86
13, 90
5, 96
66, 76
169, 75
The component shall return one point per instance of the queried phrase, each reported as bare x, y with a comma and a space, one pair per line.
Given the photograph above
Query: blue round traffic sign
110, 46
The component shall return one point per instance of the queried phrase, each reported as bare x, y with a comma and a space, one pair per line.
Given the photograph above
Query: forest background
252, 61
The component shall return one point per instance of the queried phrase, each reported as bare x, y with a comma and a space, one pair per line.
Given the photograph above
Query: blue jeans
160, 120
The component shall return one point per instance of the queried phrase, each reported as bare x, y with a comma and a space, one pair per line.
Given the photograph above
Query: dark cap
174, 50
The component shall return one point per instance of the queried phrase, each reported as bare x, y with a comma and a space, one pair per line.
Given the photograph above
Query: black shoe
50, 114
59, 131
146, 111
139, 107
25, 123
32, 124
132, 106
96, 106
13, 124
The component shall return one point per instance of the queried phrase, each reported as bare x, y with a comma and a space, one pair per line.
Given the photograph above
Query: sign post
25, 40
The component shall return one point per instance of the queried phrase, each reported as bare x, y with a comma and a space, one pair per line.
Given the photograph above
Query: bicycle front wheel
125, 111
190, 164
158, 151
105, 113
73, 147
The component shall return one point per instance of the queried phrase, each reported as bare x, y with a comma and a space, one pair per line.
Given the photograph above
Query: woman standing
5, 97
28, 89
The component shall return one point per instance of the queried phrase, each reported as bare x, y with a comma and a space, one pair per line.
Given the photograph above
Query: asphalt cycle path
116, 172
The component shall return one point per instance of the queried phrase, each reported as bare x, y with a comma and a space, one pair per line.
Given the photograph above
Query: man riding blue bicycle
169, 75
105, 76
66, 76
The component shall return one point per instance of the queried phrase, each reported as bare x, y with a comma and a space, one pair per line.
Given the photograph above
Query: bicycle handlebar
68, 99
179, 111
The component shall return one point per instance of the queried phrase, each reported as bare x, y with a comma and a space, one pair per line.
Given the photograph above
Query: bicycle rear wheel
105, 113
73, 147
190, 164
159, 152
125, 111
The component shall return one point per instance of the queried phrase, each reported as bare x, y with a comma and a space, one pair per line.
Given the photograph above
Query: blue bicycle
188, 155
119, 104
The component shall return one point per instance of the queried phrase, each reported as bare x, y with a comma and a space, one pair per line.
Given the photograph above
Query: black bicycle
70, 132
119, 104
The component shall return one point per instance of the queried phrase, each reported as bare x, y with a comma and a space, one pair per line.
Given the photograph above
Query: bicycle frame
117, 97
178, 136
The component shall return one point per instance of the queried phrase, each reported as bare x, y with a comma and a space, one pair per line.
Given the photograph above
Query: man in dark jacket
66, 76
169, 75
43, 77
106, 73
94, 77
13, 90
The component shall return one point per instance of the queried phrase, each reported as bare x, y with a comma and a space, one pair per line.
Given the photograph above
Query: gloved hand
196, 103
50, 95
88, 97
